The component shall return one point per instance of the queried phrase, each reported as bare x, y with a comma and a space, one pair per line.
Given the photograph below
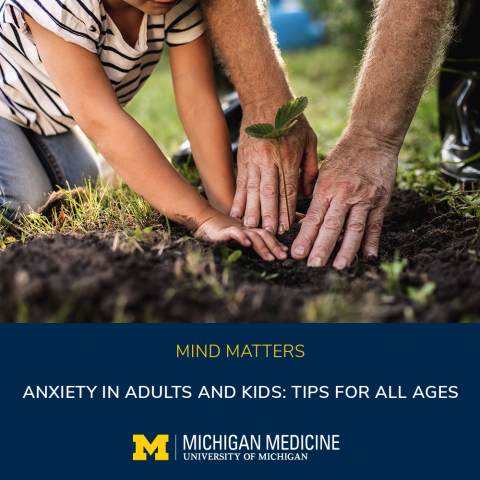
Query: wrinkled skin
352, 193
356, 180
260, 190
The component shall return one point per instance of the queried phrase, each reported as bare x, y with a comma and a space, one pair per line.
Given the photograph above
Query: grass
326, 76
95, 208
154, 108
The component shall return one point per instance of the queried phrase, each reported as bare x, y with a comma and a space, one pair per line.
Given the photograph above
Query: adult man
356, 180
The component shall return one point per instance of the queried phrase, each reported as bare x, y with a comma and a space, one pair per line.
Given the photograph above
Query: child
69, 62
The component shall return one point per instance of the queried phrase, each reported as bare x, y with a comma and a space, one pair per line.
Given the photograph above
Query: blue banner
240, 401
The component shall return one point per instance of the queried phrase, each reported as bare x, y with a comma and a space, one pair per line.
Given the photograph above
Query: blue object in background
294, 27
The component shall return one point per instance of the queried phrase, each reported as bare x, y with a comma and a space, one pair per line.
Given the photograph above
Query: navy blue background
379, 438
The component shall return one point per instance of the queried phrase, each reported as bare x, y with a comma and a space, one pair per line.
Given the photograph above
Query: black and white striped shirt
28, 96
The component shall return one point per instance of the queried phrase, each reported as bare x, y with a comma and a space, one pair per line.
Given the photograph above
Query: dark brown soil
80, 279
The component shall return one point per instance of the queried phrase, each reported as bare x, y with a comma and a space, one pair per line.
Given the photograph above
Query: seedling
168, 224
422, 295
393, 271
234, 256
290, 111
269, 277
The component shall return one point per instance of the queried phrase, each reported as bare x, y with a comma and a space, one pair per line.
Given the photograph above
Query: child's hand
222, 227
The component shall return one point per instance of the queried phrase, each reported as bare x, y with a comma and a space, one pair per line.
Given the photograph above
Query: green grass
95, 208
154, 108
325, 75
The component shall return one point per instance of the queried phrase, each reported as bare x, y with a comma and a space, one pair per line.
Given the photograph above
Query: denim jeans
33, 165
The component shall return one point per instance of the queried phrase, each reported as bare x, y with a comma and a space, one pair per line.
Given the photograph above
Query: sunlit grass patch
126, 224
94, 207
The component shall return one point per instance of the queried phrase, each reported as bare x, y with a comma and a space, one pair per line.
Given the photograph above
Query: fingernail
248, 243
270, 257
340, 263
284, 248
315, 262
283, 256
269, 229
250, 221
299, 251
235, 215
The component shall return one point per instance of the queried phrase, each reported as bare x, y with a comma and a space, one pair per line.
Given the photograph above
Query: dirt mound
79, 278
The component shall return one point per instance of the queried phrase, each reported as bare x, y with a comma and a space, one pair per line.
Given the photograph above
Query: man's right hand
352, 193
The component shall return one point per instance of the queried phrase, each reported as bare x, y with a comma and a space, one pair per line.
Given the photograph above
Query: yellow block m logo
142, 444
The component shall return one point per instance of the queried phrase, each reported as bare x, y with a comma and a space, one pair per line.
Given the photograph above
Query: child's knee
22, 200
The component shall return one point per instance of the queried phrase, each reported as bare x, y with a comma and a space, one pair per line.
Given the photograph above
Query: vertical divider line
175, 448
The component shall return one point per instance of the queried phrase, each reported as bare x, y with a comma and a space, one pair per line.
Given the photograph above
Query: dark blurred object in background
233, 115
459, 98
222, 81
346, 20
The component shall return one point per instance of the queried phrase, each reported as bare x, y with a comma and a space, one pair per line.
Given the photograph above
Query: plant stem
466, 161
168, 224
284, 182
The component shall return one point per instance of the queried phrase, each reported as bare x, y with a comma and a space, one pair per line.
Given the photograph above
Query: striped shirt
28, 96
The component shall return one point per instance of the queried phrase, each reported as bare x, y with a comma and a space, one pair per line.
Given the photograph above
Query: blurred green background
346, 20
325, 75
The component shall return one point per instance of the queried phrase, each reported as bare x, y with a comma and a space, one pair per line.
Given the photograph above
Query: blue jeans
33, 165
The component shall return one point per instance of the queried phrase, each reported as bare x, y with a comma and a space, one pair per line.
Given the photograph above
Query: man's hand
355, 182
353, 190
260, 196
242, 35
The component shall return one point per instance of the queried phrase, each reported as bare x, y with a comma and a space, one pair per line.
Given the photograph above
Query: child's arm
83, 85
202, 117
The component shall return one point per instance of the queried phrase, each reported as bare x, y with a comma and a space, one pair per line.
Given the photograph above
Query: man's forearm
404, 40
246, 43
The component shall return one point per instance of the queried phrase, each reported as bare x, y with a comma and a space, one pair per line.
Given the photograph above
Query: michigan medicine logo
142, 445
235, 447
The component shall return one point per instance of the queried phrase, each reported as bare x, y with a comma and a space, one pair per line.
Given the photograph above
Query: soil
79, 278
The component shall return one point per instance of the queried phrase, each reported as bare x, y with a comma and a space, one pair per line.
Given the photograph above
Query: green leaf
233, 257
259, 130
290, 111
4, 221
276, 134
271, 277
